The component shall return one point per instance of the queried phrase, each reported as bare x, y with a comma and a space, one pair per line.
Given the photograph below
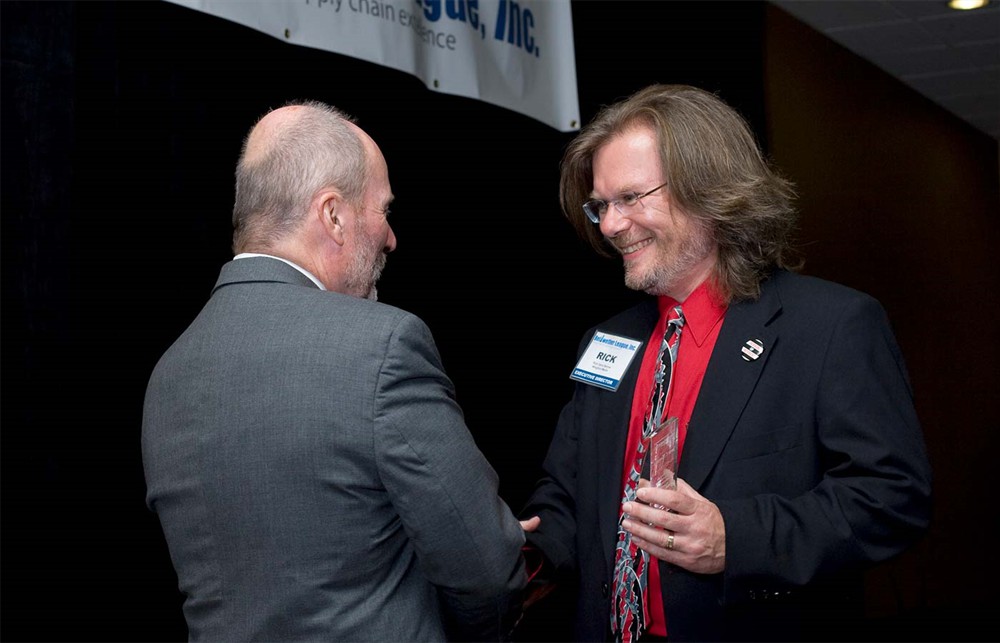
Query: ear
333, 213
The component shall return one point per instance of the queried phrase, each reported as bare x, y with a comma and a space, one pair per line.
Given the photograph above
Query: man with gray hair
302, 445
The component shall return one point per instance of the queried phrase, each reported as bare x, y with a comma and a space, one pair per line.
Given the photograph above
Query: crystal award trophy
663, 455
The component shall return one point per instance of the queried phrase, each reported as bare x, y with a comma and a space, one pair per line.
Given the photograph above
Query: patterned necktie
628, 608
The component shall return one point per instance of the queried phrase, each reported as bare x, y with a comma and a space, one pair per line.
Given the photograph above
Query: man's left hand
684, 528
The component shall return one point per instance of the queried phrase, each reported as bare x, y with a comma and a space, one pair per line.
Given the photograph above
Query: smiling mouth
626, 250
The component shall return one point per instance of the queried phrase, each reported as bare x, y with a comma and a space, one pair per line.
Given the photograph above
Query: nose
614, 222
390, 241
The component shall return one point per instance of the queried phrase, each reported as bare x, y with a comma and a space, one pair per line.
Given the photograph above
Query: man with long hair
784, 398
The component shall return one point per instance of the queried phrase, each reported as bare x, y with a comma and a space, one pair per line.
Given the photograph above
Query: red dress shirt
702, 322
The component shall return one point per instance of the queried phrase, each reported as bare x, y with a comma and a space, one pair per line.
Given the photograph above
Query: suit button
604, 590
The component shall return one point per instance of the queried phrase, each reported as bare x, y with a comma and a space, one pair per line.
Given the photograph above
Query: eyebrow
617, 193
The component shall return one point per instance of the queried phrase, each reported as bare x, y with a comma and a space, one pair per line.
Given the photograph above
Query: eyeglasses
595, 209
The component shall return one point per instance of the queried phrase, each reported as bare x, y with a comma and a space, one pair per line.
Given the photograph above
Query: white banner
516, 54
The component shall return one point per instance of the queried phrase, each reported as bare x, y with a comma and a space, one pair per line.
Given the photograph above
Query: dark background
121, 127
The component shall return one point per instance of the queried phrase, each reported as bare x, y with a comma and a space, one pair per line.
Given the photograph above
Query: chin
638, 282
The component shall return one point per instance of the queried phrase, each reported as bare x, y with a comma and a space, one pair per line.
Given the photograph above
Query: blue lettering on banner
517, 25
466, 11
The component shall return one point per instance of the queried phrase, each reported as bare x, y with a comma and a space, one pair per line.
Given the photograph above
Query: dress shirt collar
702, 311
312, 277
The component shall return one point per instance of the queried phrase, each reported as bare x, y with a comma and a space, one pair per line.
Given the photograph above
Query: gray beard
377, 274
662, 279
364, 275
374, 275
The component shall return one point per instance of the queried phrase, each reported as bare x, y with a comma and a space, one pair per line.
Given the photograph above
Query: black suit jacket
812, 452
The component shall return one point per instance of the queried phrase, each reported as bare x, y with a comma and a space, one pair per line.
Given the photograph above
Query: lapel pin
752, 349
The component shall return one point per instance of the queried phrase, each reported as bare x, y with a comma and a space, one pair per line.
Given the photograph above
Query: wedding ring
670, 541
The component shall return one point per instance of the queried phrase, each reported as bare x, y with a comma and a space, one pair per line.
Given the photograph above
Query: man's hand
537, 589
684, 529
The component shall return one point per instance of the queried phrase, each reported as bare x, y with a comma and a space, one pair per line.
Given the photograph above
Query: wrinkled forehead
627, 159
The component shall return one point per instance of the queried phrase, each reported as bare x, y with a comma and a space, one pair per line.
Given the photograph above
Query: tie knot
675, 321
676, 316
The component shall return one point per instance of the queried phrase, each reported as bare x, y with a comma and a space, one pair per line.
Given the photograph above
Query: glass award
663, 455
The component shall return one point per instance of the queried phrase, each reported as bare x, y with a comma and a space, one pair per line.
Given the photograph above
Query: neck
305, 259
694, 277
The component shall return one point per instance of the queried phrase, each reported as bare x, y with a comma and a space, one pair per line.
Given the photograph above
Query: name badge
605, 360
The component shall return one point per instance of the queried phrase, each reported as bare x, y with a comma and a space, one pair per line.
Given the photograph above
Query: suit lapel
729, 381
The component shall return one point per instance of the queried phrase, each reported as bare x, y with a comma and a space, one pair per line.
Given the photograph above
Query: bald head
289, 155
268, 132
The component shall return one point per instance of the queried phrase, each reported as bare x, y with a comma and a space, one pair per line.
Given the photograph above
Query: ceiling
952, 57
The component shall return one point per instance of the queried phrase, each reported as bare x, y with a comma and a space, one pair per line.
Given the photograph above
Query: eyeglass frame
622, 199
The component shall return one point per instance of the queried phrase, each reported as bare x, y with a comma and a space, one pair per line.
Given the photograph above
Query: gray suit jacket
314, 476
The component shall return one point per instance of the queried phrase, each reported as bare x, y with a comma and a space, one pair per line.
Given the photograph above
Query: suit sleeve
554, 497
467, 541
873, 495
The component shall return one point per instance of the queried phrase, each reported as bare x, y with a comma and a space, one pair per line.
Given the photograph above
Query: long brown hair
714, 171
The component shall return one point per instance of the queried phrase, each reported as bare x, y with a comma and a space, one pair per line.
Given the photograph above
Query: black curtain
122, 122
